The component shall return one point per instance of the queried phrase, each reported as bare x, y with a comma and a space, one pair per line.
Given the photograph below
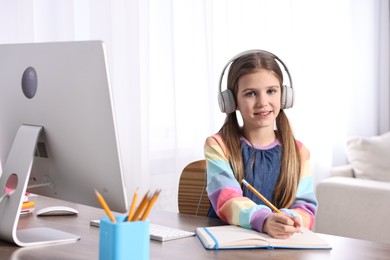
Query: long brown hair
287, 184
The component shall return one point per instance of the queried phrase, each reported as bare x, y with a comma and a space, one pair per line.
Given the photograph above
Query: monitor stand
16, 173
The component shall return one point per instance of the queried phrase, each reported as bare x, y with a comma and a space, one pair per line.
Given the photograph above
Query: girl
272, 161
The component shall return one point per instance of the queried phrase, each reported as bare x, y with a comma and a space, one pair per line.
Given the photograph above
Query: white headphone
226, 101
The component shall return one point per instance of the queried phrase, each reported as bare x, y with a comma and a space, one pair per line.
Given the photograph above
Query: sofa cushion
370, 157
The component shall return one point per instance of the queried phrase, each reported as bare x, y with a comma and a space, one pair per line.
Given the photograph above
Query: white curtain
166, 57
384, 67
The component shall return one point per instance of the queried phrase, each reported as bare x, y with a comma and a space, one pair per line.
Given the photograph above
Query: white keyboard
163, 233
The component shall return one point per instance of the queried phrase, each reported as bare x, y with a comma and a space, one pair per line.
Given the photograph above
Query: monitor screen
63, 87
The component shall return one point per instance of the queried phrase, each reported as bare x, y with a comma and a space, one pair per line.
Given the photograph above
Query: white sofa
353, 207
355, 200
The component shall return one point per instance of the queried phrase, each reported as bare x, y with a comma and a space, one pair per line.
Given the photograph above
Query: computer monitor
56, 98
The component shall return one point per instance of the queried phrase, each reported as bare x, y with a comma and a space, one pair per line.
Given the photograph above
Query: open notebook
234, 237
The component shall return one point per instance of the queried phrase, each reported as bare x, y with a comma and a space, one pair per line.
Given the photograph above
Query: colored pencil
132, 208
258, 194
105, 206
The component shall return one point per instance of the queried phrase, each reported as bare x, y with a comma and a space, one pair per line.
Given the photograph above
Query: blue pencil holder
124, 240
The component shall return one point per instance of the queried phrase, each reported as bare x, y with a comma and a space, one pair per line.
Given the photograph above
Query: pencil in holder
123, 239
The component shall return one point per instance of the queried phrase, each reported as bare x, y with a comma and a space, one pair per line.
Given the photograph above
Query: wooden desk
187, 248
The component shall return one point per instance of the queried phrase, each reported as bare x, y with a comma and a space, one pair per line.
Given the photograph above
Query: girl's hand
281, 226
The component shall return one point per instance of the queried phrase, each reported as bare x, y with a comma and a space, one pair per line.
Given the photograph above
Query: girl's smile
262, 115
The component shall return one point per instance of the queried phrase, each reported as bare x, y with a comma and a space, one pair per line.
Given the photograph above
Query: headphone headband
226, 99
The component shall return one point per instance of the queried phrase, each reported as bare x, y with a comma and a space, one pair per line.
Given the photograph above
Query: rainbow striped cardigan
227, 198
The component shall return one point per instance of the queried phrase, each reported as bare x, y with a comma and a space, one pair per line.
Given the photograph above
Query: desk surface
187, 248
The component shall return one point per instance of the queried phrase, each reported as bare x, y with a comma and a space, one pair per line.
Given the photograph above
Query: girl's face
258, 99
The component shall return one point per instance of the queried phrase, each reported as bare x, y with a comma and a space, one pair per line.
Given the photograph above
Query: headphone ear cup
226, 101
287, 97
